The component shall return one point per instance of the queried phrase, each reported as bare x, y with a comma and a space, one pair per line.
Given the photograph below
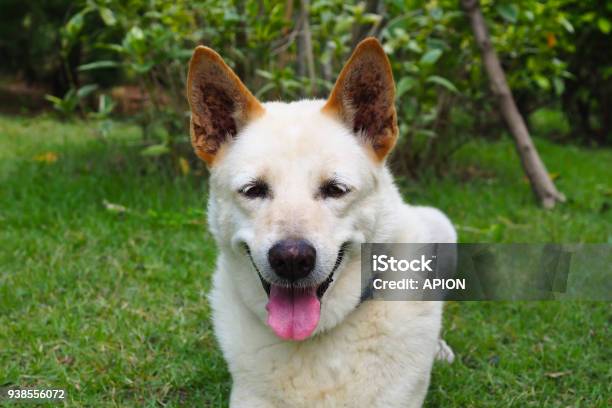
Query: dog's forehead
295, 136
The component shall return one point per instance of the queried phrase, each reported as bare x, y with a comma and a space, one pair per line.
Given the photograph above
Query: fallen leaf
116, 208
48, 157
184, 166
66, 360
557, 374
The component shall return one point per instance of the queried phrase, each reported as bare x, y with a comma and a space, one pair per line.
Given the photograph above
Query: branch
305, 54
536, 172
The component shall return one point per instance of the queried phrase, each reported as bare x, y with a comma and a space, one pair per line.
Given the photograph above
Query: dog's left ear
364, 97
220, 103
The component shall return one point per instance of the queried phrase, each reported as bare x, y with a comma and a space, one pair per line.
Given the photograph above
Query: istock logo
383, 263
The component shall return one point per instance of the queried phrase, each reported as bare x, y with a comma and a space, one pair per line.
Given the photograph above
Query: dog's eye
333, 189
255, 189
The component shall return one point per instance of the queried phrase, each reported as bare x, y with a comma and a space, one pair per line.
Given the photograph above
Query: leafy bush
551, 123
69, 103
29, 40
443, 93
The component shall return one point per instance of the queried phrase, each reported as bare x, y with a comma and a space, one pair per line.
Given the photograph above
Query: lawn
105, 263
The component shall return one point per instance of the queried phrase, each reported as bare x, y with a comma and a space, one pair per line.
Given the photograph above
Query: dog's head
294, 187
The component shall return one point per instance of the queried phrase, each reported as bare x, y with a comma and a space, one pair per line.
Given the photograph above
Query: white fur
376, 354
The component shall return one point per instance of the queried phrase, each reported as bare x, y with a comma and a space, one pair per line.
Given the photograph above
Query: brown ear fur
364, 97
220, 103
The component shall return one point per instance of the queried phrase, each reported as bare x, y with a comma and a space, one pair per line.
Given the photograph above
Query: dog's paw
444, 353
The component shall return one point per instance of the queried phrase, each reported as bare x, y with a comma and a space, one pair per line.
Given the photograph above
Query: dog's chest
352, 364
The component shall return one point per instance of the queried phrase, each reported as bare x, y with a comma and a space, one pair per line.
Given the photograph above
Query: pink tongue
293, 314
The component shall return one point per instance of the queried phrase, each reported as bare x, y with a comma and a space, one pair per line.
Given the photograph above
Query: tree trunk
541, 183
306, 64
241, 41
359, 31
283, 52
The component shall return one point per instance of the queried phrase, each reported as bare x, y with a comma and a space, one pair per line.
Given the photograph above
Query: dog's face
293, 186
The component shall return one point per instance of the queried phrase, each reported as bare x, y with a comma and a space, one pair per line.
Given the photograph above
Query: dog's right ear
364, 98
220, 103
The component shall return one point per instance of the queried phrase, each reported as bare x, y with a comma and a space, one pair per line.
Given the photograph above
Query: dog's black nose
292, 259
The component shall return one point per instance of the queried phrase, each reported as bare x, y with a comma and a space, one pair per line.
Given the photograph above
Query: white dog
295, 188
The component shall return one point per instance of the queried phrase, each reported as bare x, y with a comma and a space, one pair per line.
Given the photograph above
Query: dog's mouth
294, 310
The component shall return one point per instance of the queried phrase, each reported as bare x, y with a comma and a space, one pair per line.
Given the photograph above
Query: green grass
550, 122
110, 304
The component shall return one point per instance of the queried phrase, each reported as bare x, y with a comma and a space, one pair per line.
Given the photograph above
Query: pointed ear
364, 97
220, 103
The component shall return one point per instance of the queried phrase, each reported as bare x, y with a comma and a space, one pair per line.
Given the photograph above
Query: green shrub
443, 93
550, 123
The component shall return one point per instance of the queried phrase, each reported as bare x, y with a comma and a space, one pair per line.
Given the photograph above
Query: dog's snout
292, 259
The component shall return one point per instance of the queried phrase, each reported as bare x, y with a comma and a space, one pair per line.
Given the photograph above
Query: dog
294, 189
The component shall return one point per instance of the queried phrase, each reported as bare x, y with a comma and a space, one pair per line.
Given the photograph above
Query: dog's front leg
242, 397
